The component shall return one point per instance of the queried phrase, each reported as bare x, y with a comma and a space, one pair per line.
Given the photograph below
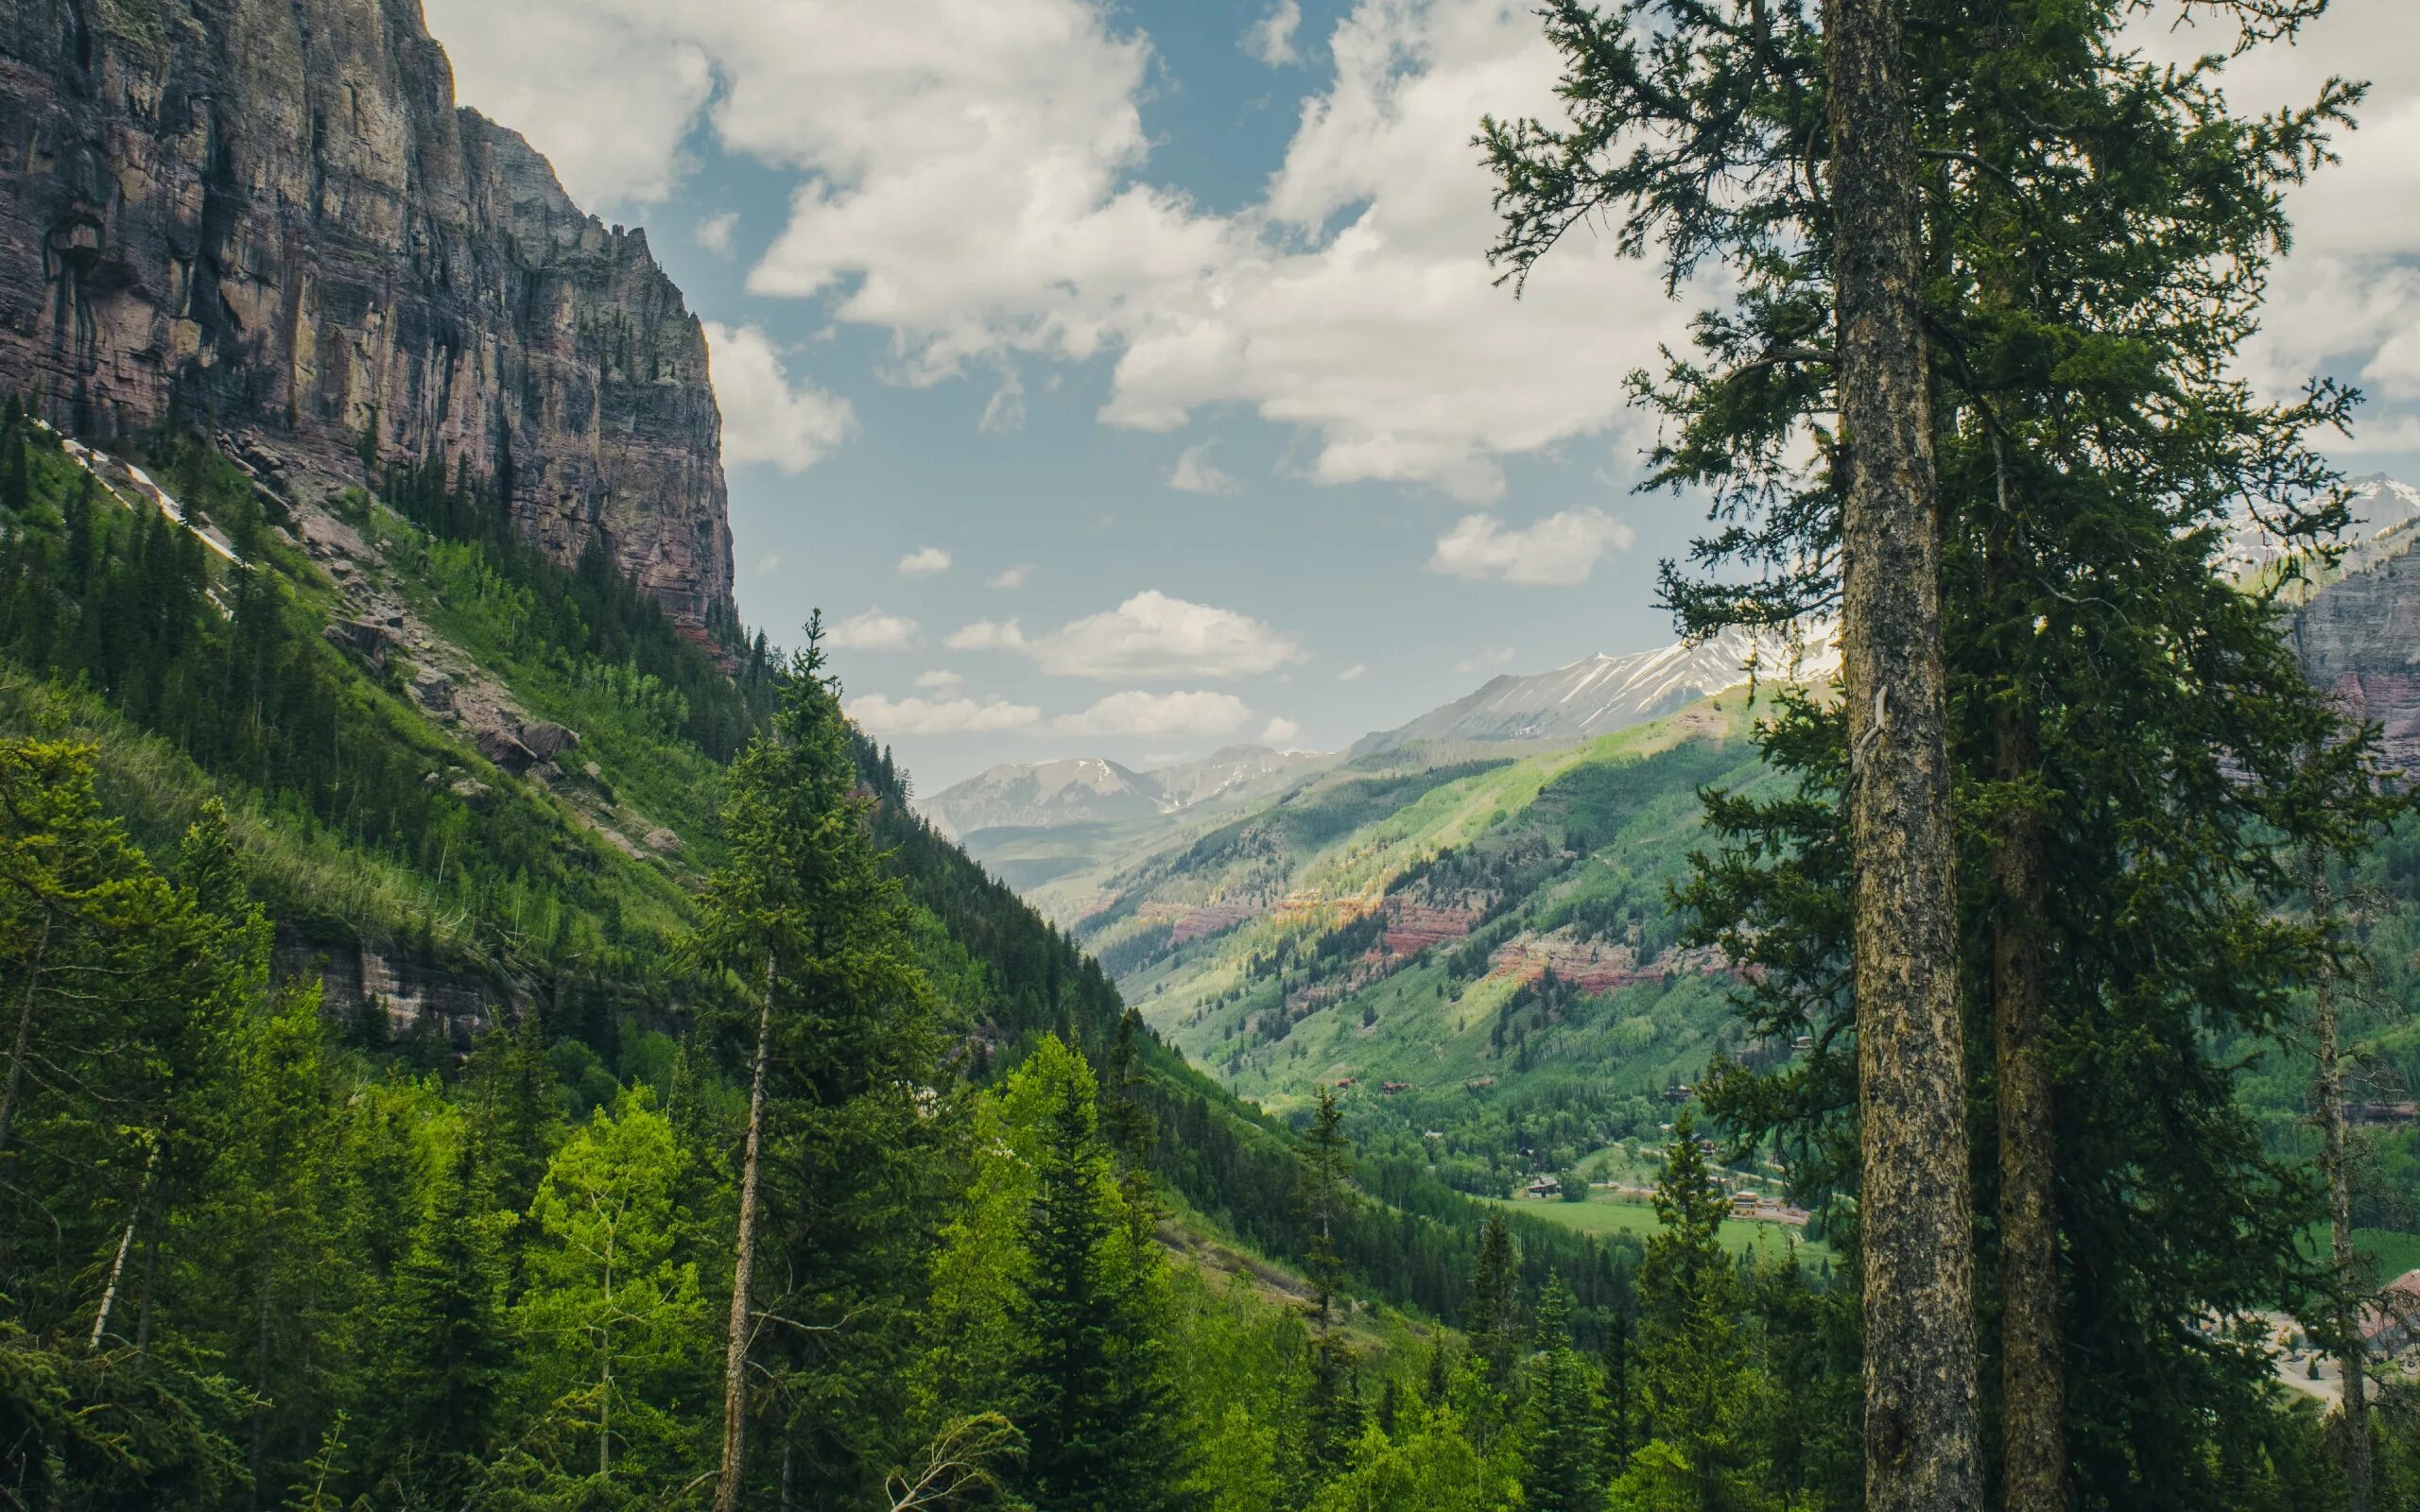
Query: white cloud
873, 631
1485, 661
769, 562
1560, 549
972, 177
606, 97
986, 635
1158, 716
1196, 473
942, 717
1151, 636
1272, 38
940, 682
1011, 576
714, 232
924, 561
1354, 673
1280, 732
765, 418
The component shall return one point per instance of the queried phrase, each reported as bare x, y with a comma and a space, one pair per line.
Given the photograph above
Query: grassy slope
1584, 836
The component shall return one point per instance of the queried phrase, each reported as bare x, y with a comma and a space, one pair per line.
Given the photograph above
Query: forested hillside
269, 755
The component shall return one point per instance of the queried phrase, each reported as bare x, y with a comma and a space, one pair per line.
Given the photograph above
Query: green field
1606, 1214
2394, 1251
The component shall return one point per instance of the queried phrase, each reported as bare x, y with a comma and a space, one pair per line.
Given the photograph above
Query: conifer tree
1100, 1425
444, 1349
2087, 288
1694, 1381
1564, 1424
837, 1043
1333, 1419
1492, 1319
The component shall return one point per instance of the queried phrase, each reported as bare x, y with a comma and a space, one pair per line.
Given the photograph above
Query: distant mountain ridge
1598, 695
1090, 790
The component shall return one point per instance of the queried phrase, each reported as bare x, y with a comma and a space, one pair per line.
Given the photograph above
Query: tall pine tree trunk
743, 1268
1915, 1222
2032, 1346
2351, 1355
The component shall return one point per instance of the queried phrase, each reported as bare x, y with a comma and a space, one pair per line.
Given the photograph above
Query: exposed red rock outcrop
273, 212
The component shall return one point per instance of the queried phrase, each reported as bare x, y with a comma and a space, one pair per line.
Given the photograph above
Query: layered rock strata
272, 212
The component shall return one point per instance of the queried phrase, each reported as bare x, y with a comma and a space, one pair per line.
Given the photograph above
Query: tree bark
1915, 1213
2032, 1346
743, 1269
125, 1247
2351, 1354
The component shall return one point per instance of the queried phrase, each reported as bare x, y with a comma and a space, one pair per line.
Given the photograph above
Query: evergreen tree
2086, 290
835, 1044
1492, 1320
1564, 1424
443, 1350
1100, 1423
1694, 1380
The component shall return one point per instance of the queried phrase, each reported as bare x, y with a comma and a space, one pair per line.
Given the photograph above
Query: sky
1129, 379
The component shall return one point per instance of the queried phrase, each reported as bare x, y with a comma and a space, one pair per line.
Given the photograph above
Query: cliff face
2359, 637
273, 212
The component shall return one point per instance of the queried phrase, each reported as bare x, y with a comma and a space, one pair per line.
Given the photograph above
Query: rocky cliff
272, 212
2359, 637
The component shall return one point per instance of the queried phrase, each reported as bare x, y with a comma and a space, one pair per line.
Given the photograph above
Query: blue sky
1126, 380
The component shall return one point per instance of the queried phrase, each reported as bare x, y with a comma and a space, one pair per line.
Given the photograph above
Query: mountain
1089, 790
1053, 830
2358, 632
274, 214
1601, 693
2379, 506
1457, 948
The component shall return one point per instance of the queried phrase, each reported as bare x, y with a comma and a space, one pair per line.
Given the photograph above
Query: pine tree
1564, 1426
443, 1346
1492, 1319
1655, 85
2087, 289
1100, 1424
1694, 1380
837, 1039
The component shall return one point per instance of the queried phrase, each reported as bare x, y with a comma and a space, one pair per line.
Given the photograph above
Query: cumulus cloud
940, 682
1354, 673
1486, 661
1272, 38
1149, 636
939, 716
986, 635
972, 177
1560, 549
924, 561
714, 232
1158, 716
1196, 473
765, 417
873, 631
1011, 576
607, 98
1280, 732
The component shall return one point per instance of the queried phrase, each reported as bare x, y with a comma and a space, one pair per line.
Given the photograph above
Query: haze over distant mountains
1598, 695
1088, 790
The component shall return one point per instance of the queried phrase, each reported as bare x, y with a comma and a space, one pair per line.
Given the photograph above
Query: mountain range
1088, 790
